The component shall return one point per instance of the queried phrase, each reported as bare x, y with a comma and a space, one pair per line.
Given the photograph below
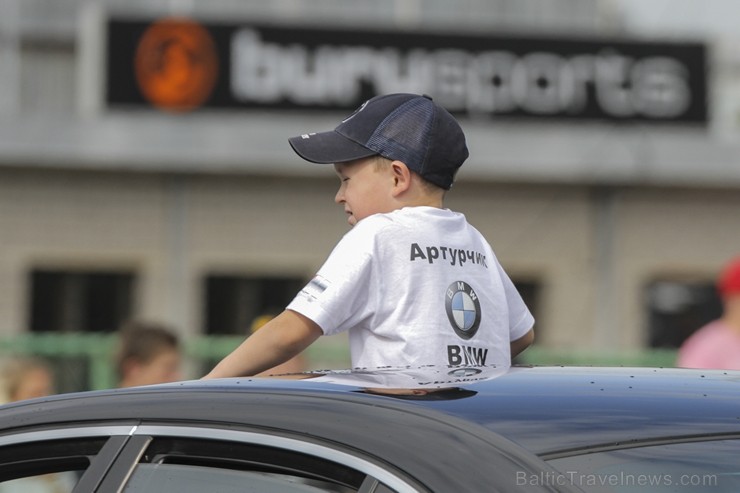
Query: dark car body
428, 429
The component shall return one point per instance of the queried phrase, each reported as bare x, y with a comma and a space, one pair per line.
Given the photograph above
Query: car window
46, 466
173, 478
184, 464
690, 466
60, 482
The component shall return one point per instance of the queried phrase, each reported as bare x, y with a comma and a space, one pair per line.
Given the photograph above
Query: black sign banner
179, 64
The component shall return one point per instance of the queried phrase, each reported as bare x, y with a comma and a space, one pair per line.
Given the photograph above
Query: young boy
412, 282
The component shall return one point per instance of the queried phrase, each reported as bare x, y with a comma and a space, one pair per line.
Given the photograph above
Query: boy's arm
522, 343
279, 340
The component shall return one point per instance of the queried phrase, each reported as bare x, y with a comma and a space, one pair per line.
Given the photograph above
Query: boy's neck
421, 195
426, 203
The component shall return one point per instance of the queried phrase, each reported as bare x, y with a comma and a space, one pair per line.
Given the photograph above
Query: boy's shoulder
377, 226
423, 212
407, 217
405, 221
373, 225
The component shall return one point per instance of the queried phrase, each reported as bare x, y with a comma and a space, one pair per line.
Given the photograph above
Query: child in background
148, 353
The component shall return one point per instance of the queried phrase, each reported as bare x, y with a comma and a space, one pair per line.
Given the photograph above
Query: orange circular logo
176, 64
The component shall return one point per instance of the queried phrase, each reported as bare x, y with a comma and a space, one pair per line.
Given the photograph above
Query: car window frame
115, 436
126, 463
124, 445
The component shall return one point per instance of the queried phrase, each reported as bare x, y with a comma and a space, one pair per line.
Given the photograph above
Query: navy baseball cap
404, 127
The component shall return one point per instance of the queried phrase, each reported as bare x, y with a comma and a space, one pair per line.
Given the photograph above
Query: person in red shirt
717, 344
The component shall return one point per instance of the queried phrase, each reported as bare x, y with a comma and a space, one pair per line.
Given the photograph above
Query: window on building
66, 301
678, 308
79, 300
233, 302
529, 289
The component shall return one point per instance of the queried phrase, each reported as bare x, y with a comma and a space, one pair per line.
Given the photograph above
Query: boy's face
365, 189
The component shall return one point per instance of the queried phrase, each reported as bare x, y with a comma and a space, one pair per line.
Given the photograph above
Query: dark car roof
551, 411
554, 411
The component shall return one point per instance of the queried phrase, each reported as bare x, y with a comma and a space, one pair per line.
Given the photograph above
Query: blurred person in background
25, 378
717, 344
296, 364
148, 353
28, 378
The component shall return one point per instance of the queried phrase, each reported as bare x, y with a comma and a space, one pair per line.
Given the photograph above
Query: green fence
86, 361
663, 358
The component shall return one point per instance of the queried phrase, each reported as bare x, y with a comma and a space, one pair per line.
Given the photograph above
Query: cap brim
328, 147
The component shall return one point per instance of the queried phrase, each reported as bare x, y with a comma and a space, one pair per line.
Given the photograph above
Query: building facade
611, 212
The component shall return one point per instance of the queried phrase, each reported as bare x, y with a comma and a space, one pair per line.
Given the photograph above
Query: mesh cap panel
404, 134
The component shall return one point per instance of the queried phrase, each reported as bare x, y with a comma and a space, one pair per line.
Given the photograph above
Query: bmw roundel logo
463, 309
464, 372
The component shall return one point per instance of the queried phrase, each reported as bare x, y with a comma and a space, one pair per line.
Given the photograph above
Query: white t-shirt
417, 286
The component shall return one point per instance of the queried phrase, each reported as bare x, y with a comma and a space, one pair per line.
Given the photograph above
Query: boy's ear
401, 176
